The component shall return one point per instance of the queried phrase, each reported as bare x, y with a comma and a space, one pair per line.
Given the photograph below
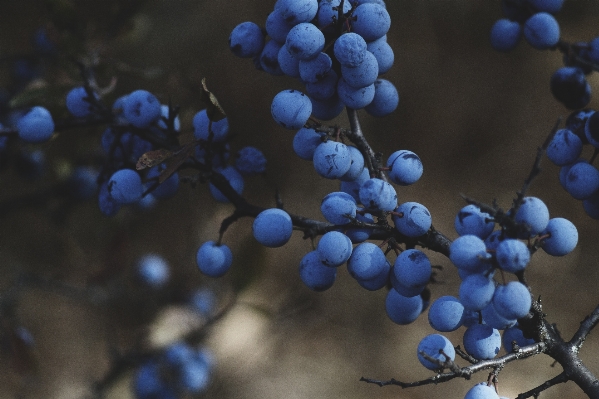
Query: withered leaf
153, 158
213, 109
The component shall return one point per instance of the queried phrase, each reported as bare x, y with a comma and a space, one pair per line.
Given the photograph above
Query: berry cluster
336, 48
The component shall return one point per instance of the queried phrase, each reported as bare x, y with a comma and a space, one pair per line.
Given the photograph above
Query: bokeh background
474, 116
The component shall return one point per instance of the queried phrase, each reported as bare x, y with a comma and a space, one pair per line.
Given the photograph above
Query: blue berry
412, 269
533, 214
338, 208
405, 167
542, 31
512, 300
356, 165
361, 75
366, 261
591, 131
203, 128
481, 391
372, 21
334, 248
352, 97
446, 314
416, 219
291, 109
476, 291
512, 255
214, 260
565, 147
77, 102
153, 270
315, 69
305, 142
141, 108
515, 334
377, 194
272, 227
468, 252
288, 63
569, 86
471, 220
482, 342
332, 159
83, 182
276, 27
385, 99
203, 300
350, 49
269, 58
494, 319
250, 161
36, 126
582, 180
505, 35
402, 310
314, 274
323, 89
358, 234
125, 186
108, 205
327, 109
297, 11
562, 239
438, 347
246, 40
383, 53
167, 188
304, 41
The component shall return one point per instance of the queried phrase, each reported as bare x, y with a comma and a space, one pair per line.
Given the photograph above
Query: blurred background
474, 116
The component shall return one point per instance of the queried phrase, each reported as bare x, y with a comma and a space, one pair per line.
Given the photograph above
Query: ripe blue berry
416, 219
314, 274
332, 159
482, 341
246, 40
153, 270
272, 227
505, 35
446, 314
562, 239
476, 291
385, 99
203, 128
125, 186
512, 300
512, 255
338, 208
438, 347
402, 310
334, 248
36, 126
214, 260
541, 31
141, 108
405, 167
77, 102
377, 194
291, 109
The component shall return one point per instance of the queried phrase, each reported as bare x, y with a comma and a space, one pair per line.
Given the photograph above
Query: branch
586, 326
558, 379
357, 137
466, 372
